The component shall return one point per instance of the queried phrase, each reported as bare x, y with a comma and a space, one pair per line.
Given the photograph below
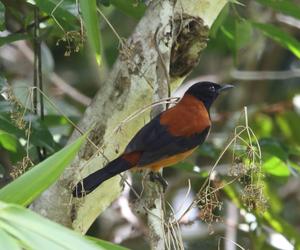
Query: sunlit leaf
262, 125
35, 232
8, 242
8, 141
40, 177
283, 6
281, 37
91, 24
274, 166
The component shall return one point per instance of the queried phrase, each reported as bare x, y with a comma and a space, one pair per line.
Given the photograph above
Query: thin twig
143, 109
124, 46
36, 75
265, 75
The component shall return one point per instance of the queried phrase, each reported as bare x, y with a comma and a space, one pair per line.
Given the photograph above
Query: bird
168, 138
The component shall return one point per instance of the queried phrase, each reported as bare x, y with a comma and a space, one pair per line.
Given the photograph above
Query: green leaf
8, 126
219, 21
40, 177
273, 147
12, 38
8, 242
130, 7
262, 125
40, 135
8, 141
26, 238
91, 24
281, 37
288, 122
243, 33
274, 166
54, 8
35, 232
283, 6
228, 36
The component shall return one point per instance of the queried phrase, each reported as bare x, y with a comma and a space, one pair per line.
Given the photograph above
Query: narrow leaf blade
281, 37
40, 177
7, 242
36, 232
287, 7
91, 24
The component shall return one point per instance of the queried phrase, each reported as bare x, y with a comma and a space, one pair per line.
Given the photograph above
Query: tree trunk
164, 48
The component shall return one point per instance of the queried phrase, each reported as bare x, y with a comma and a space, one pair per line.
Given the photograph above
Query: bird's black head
207, 92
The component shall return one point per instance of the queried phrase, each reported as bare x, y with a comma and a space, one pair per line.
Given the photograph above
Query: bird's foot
156, 176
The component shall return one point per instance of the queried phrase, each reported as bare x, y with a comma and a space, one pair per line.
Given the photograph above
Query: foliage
89, 13
39, 178
22, 229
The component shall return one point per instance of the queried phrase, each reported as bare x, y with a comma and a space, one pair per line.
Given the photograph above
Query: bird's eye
212, 88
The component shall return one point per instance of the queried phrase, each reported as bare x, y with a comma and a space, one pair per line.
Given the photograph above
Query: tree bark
162, 50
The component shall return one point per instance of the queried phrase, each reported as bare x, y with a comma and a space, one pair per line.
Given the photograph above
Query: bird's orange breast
156, 166
188, 117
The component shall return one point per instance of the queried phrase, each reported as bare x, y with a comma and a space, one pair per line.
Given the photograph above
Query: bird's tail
91, 182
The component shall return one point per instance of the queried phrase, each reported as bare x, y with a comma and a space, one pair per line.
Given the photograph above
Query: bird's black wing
155, 142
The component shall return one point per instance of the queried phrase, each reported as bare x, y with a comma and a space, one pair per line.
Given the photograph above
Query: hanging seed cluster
72, 41
246, 168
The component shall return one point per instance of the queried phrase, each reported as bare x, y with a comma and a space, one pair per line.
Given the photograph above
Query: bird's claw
156, 176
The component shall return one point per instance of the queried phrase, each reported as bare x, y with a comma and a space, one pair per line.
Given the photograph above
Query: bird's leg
156, 176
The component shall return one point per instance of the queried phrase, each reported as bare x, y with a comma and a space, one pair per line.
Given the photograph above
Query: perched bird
167, 139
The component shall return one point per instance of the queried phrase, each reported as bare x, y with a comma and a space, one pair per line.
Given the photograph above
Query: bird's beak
225, 87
